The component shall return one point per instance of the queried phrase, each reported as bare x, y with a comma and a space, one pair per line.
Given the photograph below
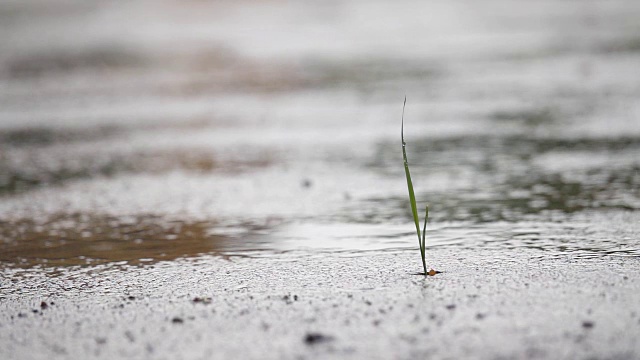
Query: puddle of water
31, 165
48, 63
91, 239
516, 177
520, 135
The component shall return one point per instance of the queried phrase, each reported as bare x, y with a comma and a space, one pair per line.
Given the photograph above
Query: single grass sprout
412, 200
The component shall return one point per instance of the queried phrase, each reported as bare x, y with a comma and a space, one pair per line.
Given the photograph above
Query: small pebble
203, 300
315, 338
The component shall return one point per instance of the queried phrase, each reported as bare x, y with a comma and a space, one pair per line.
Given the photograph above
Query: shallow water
210, 130
223, 179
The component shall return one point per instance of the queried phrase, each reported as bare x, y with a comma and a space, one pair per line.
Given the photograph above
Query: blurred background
140, 131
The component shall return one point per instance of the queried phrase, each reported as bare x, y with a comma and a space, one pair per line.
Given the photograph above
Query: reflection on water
515, 177
23, 169
83, 239
612, 233
48, 63
283, 128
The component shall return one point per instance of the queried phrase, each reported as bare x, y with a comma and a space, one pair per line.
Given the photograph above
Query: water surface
207, 129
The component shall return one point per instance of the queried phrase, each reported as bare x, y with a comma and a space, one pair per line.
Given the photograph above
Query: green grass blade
412, 196
424, 236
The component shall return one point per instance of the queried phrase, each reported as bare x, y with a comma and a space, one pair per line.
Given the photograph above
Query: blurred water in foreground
152, 130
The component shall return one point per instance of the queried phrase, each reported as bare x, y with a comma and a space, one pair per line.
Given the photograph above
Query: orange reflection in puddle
81, 239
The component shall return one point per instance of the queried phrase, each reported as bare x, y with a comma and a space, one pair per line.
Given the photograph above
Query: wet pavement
485, 304
243, 152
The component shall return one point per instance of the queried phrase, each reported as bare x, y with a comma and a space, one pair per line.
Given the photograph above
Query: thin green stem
412, 196
423, 245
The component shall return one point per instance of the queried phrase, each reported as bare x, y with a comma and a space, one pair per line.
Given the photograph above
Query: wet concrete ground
486, 304
224, 179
